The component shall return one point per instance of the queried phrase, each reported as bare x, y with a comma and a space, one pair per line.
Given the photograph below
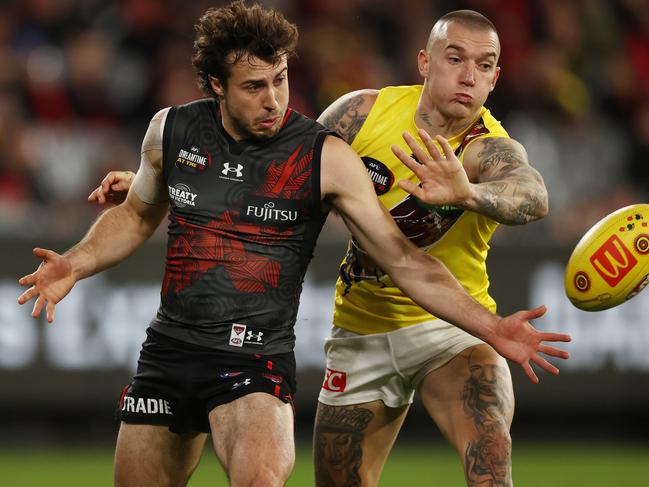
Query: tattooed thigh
488, 401
338, 440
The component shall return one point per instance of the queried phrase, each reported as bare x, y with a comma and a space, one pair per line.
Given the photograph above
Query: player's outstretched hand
50, 283
516, 339
113, 188
443, 179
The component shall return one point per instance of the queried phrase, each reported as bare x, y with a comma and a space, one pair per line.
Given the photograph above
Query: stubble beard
245, 131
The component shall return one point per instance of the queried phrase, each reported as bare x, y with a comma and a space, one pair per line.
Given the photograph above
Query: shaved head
466, 18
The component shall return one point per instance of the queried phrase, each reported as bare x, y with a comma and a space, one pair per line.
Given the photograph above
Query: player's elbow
540, 208
544, 208
532, 207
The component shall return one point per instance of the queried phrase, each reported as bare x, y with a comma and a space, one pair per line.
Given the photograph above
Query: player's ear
216, 85
496, 76
422, 63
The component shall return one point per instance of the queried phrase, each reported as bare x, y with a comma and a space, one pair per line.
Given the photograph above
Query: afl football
610, 264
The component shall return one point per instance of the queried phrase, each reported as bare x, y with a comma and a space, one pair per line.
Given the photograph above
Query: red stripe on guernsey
257, 355
269, 365
287, 171
286, 115
277, 391
476, 131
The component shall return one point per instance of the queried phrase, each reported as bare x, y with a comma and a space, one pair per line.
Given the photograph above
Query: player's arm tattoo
510, 191
346, 116
488, 401
338, 444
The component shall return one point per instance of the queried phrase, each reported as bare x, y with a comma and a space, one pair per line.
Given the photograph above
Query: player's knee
270, 473
158, 476
488, 456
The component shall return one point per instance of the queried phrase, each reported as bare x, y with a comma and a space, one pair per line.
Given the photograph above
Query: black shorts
177, 384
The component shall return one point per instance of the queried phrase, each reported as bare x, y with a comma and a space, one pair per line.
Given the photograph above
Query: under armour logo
257, 336
228, 169
242, 383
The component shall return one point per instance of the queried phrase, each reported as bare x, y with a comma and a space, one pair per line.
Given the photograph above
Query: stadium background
79, 80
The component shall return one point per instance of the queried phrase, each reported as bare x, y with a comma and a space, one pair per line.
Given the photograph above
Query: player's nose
468, 74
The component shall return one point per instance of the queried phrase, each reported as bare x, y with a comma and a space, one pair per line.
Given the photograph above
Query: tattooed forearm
512, 202
338, 440
345, 117
488, 401
509, 191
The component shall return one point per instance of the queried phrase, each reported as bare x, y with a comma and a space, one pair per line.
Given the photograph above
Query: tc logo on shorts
335, 380
147, 405
237, 334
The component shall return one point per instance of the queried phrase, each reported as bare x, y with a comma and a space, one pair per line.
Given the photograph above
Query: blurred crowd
80, 79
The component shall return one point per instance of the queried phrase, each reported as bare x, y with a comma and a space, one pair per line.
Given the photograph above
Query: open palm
443, 179
50, 283
516, 339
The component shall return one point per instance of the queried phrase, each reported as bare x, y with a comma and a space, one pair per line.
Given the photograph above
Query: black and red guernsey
243, 221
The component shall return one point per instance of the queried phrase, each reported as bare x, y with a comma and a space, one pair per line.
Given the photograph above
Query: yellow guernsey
367, 301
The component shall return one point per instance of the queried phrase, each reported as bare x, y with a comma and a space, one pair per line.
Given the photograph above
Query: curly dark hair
242, 30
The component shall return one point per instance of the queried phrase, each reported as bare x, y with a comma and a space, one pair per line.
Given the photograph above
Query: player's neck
435, 122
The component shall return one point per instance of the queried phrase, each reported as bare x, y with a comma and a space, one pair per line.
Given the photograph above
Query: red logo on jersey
286, 179
613, 260
202, 248
335, 380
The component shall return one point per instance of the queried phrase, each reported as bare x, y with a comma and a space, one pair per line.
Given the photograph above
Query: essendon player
247, 183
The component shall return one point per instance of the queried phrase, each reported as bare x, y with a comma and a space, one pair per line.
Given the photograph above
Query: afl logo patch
381, 176
192, 160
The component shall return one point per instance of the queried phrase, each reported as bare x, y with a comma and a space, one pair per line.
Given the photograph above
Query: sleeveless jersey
243, 221
367, 301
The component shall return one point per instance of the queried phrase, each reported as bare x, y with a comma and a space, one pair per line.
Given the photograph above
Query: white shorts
387, 366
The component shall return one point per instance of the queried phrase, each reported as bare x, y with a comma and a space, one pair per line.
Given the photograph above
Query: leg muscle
351, 443
253, 440
148, 455
471, 400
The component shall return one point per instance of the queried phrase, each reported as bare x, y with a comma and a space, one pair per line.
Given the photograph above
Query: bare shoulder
346, 115
152, 142
493, 156
161, 114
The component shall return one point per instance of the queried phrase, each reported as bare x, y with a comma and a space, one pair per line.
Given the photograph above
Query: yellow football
610, 264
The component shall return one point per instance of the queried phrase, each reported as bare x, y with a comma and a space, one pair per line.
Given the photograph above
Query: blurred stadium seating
80, 79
